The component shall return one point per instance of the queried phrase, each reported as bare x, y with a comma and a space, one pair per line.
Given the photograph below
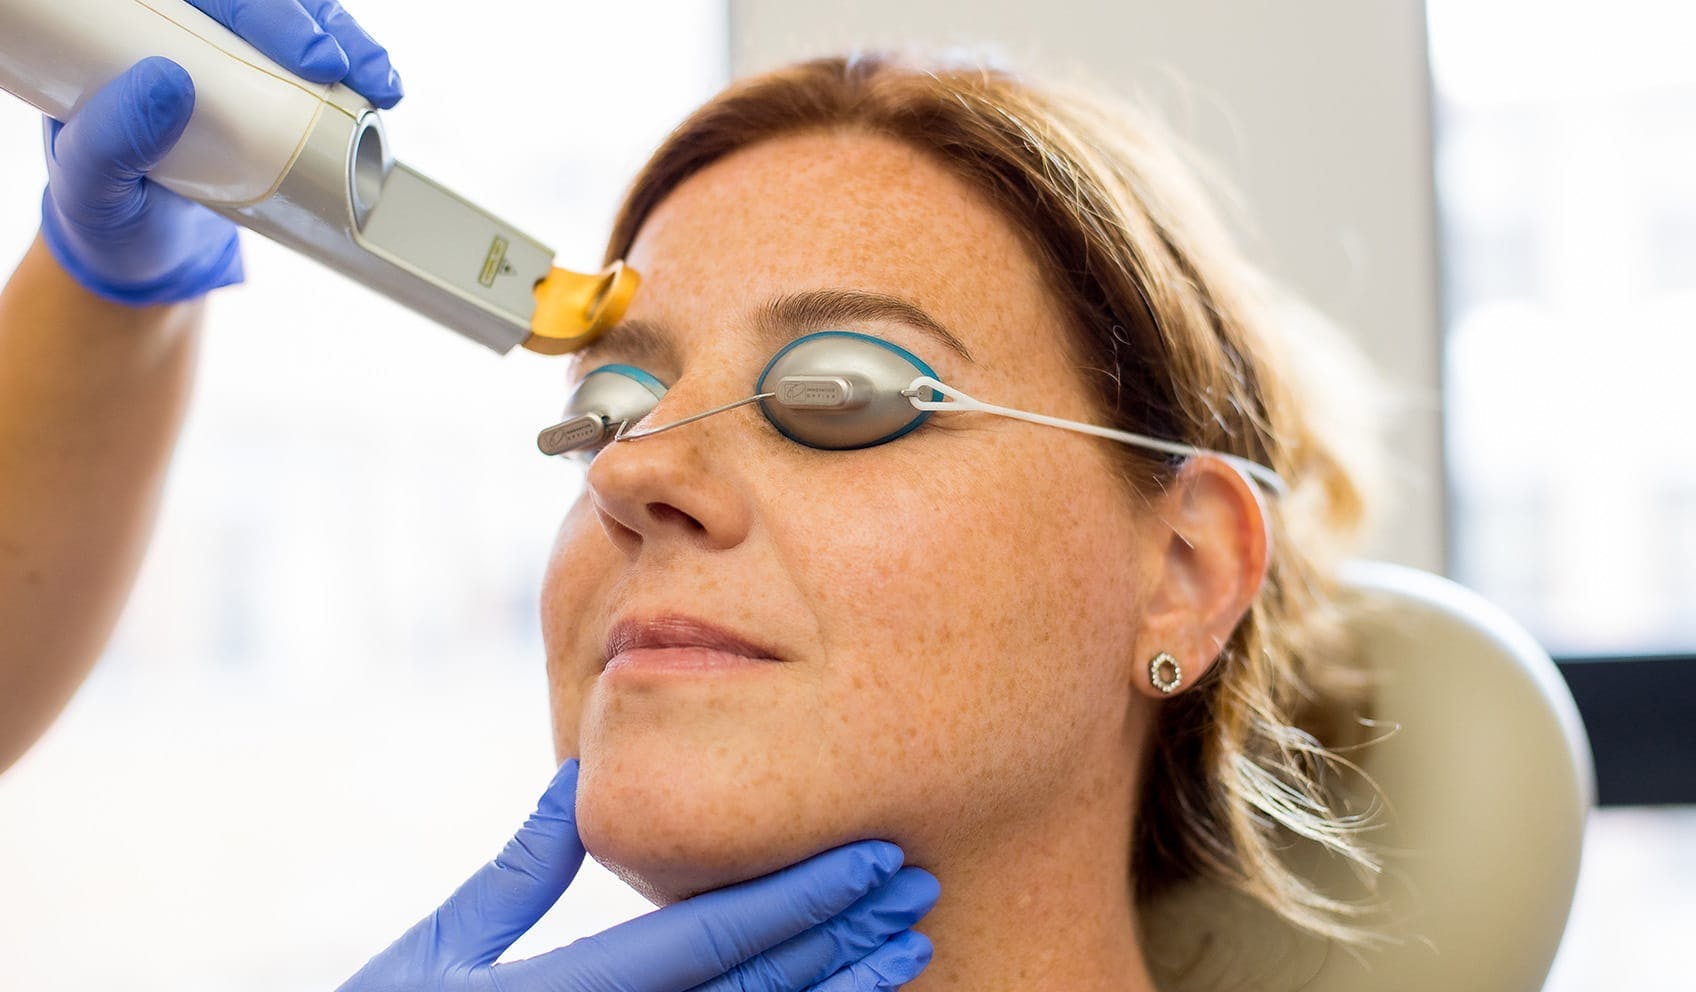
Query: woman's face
956, 610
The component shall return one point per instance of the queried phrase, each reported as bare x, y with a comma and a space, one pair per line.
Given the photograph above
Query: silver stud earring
1164, 673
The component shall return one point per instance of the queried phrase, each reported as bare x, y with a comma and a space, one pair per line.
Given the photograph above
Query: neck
1046, 906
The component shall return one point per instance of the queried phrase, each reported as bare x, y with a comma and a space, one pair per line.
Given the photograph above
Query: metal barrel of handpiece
346, 202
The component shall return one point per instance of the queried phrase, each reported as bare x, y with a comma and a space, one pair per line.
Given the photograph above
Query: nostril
662, 512
620, 534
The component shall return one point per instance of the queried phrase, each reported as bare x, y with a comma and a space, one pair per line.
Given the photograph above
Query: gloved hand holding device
94, 379
279, 131
837, 922
136, 242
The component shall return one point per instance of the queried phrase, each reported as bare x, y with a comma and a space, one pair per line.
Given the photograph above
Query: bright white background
325, 704
1566, 168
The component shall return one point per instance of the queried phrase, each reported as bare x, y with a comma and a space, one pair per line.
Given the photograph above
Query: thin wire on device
961, 401
649, 432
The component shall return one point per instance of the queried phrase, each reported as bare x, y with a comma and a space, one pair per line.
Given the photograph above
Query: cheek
573, 588
979, 624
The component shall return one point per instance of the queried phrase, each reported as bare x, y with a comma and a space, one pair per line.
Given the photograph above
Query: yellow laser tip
573, 308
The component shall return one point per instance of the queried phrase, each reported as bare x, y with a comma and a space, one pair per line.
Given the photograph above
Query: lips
674, 630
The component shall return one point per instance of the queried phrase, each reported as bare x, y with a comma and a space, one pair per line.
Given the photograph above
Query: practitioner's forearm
92, 395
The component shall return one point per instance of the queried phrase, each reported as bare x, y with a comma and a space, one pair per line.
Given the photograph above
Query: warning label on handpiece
492, 261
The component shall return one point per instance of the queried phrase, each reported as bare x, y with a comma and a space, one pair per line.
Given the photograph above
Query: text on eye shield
819, 392
571, 434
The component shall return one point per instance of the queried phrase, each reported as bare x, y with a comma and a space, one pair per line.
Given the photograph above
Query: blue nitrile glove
837, 922
136, 242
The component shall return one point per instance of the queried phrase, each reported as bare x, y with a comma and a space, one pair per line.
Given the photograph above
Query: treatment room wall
1318, 113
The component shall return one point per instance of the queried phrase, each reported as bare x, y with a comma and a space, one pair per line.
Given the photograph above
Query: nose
675, 486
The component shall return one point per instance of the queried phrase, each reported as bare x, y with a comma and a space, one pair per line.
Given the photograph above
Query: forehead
839, 210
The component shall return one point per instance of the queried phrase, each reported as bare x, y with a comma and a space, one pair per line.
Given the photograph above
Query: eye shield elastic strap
959, 401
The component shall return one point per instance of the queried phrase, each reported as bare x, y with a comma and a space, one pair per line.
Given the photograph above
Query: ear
1209, 567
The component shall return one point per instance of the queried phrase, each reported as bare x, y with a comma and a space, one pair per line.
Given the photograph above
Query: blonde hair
1184, 340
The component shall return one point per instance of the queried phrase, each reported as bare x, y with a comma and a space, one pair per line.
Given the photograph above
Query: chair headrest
1488, 780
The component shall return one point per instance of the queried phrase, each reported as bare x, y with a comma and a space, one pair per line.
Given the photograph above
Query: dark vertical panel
1640, 714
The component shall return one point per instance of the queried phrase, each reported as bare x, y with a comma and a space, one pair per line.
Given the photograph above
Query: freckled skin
959, 608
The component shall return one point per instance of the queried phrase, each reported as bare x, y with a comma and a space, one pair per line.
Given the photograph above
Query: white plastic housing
250, 116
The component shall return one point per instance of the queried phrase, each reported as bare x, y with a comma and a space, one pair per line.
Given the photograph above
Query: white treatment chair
1488, 780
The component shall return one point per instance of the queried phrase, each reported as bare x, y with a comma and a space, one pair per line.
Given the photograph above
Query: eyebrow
815, 308
778, 320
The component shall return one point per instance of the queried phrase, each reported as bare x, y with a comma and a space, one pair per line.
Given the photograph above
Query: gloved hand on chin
836, 922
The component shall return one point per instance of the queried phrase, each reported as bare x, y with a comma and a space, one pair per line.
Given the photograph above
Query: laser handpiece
309, 166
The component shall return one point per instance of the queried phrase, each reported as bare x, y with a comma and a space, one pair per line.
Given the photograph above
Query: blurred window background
1565, 145
1566, 174
325, 704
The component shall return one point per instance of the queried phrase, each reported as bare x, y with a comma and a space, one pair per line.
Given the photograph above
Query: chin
674, 822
